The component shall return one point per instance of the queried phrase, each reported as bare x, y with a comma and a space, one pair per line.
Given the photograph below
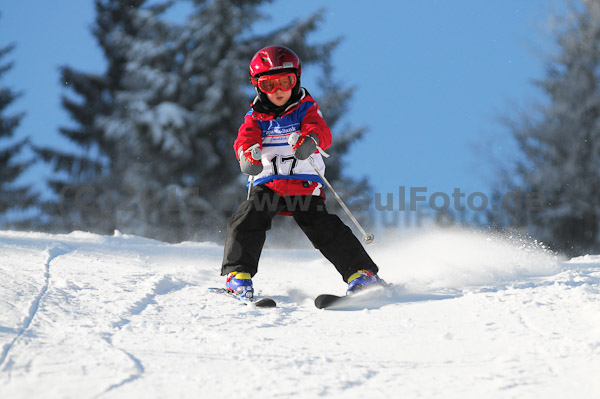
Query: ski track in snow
165, 286
469, 315
52, 253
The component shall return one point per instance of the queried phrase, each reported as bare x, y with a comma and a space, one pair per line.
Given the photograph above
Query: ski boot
240, 283
362, 279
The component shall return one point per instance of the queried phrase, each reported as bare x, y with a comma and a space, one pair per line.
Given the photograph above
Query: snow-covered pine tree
92, 185
12, 197
151, 130
560, 140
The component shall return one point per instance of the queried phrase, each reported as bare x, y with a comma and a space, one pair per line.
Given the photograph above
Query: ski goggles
270, 83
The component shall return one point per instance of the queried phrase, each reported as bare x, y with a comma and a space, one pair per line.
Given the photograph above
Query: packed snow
470, 314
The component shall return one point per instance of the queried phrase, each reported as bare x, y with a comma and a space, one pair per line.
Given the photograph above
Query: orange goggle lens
270, 83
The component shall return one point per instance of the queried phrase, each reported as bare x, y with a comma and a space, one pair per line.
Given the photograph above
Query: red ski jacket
281, 171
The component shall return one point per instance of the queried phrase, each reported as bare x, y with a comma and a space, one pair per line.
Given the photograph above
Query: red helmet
274, 59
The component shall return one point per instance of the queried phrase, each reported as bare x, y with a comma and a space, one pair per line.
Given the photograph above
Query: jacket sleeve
313, 122
248, 135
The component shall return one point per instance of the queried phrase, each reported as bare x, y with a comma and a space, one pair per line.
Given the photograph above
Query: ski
371, 297
325, 301
260, 303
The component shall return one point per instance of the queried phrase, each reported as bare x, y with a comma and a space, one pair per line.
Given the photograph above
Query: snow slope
471, 315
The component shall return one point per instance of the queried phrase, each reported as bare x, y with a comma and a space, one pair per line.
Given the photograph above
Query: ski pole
251, 183
250, 186
367, 237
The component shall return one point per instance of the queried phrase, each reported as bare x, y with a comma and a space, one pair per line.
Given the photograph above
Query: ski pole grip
254, 150
293, 139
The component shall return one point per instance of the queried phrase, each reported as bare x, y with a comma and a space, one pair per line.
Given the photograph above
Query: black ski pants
247, 227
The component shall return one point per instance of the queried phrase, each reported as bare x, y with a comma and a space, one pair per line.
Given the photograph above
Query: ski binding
260, 303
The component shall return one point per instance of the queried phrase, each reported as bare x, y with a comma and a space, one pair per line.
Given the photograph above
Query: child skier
283, 180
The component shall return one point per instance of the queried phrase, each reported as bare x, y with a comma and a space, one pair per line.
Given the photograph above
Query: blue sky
431, 77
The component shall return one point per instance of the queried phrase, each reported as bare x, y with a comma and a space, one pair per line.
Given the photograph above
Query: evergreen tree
162, 122
560, 141
91, 184
12, 197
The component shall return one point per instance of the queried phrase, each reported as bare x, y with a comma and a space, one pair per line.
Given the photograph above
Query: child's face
279, 97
